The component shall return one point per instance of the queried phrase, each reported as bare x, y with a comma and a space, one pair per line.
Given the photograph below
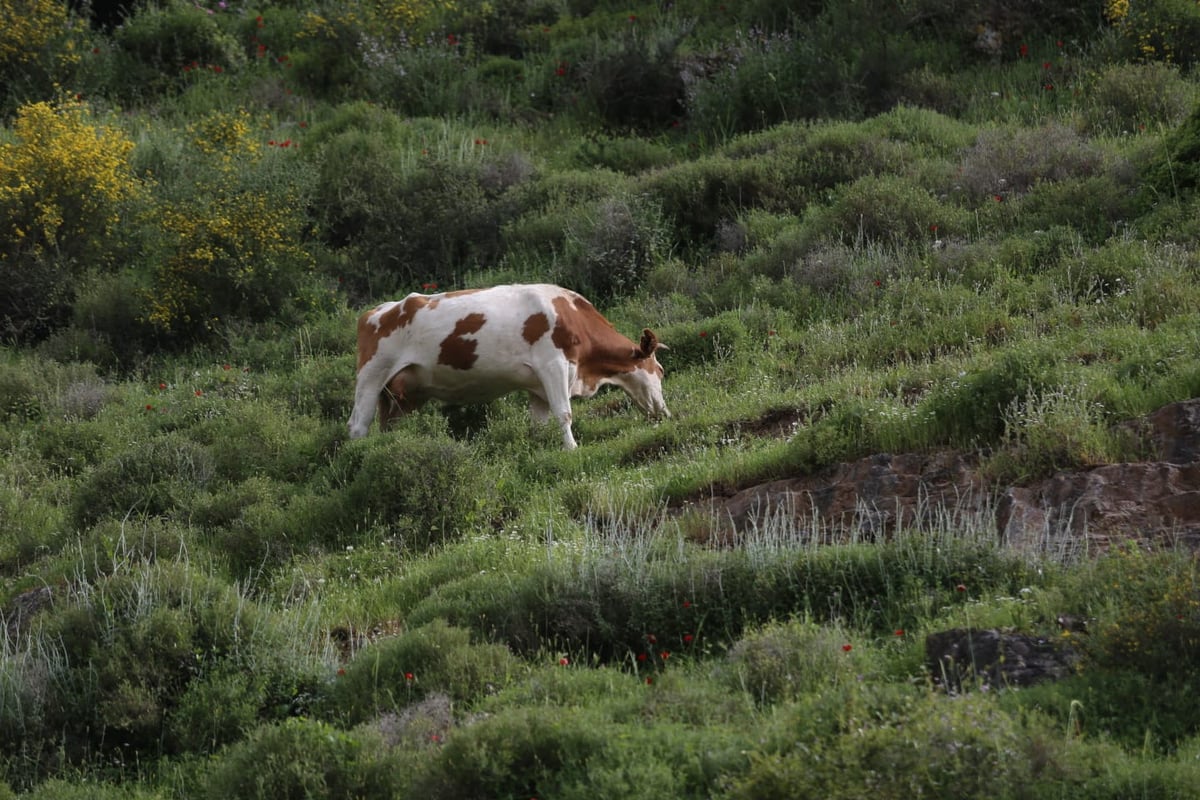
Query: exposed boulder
998, 659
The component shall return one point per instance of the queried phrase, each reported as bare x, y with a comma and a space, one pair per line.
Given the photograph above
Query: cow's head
643, 383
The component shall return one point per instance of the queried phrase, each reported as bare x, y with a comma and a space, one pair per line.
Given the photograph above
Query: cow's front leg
539, 412
557, 401
539, 409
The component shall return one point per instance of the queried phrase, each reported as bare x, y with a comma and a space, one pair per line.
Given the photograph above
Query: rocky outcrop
1157, 499
963, 658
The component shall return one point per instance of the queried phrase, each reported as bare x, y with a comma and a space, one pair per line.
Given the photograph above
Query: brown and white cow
475, 345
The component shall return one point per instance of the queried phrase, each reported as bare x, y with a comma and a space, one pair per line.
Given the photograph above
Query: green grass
896, 245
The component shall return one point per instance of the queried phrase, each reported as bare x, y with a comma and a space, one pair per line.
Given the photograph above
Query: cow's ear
649, 344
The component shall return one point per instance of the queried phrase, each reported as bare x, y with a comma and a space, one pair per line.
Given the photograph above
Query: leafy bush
408, 223
1049, 432
300, 759
1132, 97
1175, 174
224, 253
1157, 30
161, 44
1009, 163
611, 246
716, 339
424, 490
637, 87
435, 658
158, 476
64, 184
696, 196
972, 409
780, 661
885, 210
514, 753
916, 749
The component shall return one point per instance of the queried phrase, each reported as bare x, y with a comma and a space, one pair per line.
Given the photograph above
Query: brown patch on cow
457, 351
372, 330
535, 327
590, 341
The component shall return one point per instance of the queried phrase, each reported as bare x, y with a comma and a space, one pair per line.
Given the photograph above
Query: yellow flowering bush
228, 251
63, 181
29, 26
41, 43
1158, 30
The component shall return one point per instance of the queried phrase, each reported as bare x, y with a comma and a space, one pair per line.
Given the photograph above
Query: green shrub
1007, 164
1095, 208
30, 529
780, 661
626, 155
715, 339
884, 210
1047, 432
158, 476
434, 658
161, 44
1175, 173
696, 196
424, 490
919, 749
637, 86
20, 393
1128, 98
408, 225
972, 409
515, 753
611, 246
301, 759
1157, 30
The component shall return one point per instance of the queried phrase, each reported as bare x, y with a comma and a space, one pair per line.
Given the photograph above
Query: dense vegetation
907, 226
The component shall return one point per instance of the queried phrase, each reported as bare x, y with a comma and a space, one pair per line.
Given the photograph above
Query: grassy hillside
907, 226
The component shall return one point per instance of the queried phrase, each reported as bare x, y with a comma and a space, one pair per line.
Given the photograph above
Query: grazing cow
475, 345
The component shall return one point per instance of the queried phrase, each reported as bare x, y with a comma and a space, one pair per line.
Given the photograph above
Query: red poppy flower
846, 648
960, 588
408, 676
642, 656
687, 638
651, 638
1023, 50
564, 661
664, 655
899, 631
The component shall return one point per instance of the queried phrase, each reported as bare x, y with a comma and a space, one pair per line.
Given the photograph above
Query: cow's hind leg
367, 389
